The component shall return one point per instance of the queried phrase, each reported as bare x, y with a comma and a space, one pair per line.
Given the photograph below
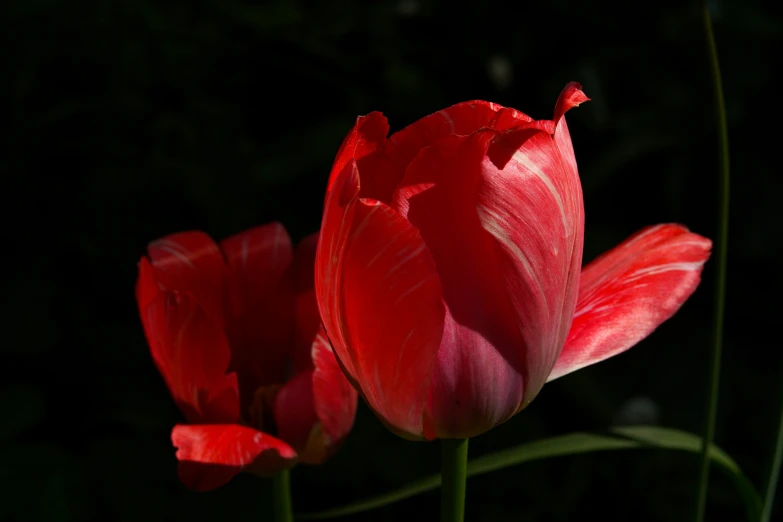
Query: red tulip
235, 332
447, 271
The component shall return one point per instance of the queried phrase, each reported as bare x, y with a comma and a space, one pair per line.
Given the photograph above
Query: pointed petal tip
574, 95
571, 96
373, 117
368, 133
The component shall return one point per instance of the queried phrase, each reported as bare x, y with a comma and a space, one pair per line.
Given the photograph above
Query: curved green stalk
721, 243
281, 496
774, 472
631, 437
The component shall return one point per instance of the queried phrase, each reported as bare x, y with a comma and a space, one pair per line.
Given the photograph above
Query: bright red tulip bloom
234, 330
448, 267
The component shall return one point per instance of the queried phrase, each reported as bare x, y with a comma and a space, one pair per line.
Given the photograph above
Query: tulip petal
461, 119
294, 411
262, 321
380, 301
210, 455
506, 239
147, 288
192, 354
367, 135
477, 379
534, 202
627, 292
571, 96
389, 162
190, 262
315, 410
335, 399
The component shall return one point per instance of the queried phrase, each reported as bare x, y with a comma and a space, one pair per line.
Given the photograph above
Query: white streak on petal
497, 226
659, 269
525, 162
448, 119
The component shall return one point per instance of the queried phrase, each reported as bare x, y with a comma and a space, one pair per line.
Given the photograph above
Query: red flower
236, 335
447, 272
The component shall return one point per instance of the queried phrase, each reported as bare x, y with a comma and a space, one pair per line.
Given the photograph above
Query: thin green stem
454, 472
721, 244
281, 496
774, 472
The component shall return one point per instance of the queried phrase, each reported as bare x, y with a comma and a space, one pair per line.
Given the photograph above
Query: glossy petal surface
210, 455
477, 381
380, 301
630, 290
502, 215
192, 354
533, 206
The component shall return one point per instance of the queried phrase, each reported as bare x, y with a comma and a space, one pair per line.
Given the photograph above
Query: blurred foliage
131, 119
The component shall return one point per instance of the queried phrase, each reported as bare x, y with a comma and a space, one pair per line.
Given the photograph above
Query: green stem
281, 493
774, 473
454, 472
720, 272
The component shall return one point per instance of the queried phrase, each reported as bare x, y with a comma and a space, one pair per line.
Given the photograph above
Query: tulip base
454, 472
281, 496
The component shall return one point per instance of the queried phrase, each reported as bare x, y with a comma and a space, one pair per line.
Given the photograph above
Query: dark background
129, 120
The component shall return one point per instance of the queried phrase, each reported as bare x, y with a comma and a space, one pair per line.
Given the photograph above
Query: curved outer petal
210, 455
262, 318
627, 292
380, 301
505, 228
367, 135
334, 398
192, 354
478, 378
190, 262
535, 210
315, 410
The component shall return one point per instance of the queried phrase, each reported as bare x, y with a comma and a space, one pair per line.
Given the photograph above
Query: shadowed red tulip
234, 330
448, 267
